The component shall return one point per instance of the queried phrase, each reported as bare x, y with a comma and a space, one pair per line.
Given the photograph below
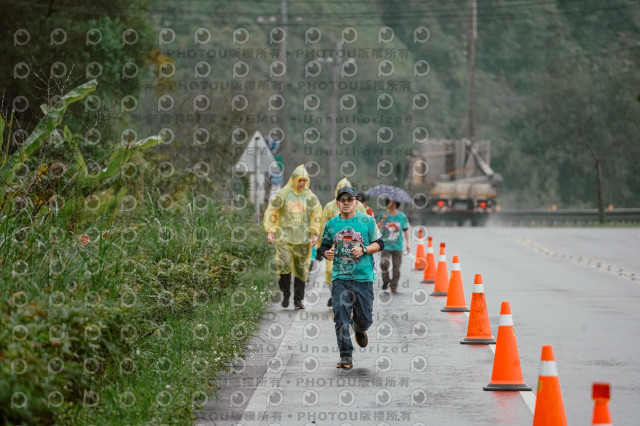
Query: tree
51, 46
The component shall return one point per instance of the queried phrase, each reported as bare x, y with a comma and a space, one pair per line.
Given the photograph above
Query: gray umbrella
392, 193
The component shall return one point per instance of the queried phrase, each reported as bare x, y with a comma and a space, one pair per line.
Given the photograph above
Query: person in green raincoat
292, 222
331, 210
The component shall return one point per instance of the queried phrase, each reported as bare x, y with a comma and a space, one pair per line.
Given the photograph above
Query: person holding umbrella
394, 224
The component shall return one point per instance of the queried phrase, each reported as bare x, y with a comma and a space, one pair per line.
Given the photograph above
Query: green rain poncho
293, 217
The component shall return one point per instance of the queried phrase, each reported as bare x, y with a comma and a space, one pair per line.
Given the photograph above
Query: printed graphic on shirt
296, 210
392, 230
344, 241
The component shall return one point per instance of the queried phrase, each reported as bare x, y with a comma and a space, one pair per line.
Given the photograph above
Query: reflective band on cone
548, 369
505, 320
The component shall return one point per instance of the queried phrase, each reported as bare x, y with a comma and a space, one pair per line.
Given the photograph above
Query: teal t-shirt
392, 230
344, 234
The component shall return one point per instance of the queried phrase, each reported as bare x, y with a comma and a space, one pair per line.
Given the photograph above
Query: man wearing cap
350, 240
330, 210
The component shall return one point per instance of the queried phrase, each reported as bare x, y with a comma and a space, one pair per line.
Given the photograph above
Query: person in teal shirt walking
349, 240
393, 224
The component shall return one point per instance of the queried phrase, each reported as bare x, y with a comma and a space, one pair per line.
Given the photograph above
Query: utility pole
334, 114
255, 180
283, 58
472, 34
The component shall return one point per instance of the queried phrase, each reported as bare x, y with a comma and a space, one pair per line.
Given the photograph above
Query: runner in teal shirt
394, 225
349, 240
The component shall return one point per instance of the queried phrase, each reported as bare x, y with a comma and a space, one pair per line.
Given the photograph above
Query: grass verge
127, 323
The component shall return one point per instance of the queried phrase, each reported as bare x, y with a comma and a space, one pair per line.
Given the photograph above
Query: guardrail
564, 217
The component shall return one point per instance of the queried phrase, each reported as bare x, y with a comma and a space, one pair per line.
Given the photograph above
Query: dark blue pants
352, 305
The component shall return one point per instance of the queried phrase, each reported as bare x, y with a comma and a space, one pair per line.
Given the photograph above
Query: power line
514, 10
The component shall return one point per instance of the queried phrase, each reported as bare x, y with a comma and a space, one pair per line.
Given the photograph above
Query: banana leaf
51, 120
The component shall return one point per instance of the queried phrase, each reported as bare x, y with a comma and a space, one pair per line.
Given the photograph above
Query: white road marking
631, 276
258, 401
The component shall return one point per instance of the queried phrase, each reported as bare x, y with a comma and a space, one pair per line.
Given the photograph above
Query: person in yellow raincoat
331, 210
292, 221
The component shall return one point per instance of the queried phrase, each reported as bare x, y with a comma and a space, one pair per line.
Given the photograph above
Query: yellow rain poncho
294, 217
329, 211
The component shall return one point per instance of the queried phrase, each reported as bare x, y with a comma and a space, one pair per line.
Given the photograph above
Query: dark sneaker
394, 290
362, 339
385, 285
345, 362
298, 304
330, 302
285, 300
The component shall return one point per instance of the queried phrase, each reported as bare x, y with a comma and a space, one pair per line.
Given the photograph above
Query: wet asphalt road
575, 288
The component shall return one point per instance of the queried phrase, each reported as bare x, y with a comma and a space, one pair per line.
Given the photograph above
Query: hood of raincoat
341, 184
298, 173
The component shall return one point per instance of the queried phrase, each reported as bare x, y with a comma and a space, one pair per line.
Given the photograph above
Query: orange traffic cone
479, 328
507, 373
601, 415
549, 406
455, 296
421, 256
442, 275
430, 267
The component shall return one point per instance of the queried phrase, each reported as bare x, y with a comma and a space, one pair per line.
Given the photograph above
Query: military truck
456, 179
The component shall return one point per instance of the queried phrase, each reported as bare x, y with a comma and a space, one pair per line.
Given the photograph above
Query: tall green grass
125, 322
115, 308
